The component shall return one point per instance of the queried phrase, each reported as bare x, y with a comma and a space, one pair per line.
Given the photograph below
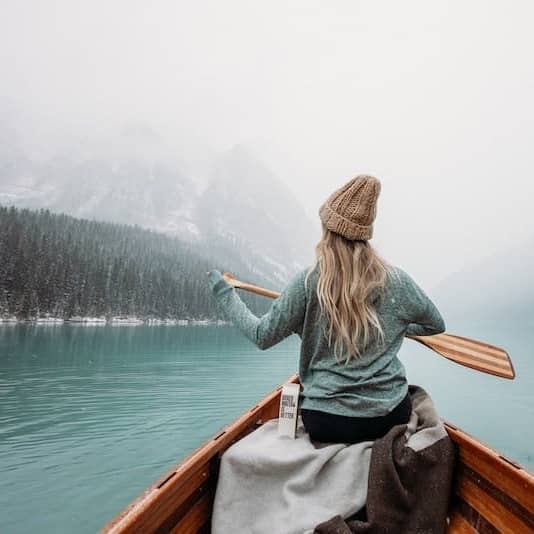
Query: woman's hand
216, 281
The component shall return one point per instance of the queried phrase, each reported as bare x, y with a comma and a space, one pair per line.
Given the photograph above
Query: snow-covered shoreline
112, 321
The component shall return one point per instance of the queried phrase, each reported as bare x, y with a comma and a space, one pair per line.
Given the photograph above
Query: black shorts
331, 428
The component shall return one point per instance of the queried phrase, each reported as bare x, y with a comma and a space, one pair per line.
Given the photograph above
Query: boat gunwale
472, 453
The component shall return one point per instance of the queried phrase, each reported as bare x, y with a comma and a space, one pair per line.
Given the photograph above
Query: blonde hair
350, 287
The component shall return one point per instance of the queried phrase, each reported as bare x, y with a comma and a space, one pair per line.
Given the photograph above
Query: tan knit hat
351, 210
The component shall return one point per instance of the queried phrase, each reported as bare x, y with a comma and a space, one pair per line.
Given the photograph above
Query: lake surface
91, 415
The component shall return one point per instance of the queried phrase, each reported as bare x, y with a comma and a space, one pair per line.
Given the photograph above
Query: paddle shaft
464, 351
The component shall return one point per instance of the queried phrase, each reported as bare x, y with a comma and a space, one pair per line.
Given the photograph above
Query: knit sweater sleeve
420, 313
285, 316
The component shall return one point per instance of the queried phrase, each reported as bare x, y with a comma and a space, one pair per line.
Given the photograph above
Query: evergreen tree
60, 266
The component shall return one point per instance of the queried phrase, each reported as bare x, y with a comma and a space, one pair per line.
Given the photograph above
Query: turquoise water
90, 416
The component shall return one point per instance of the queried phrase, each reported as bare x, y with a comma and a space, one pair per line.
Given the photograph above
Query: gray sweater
369, 386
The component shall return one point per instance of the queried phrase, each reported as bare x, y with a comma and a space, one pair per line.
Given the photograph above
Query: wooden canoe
491, 493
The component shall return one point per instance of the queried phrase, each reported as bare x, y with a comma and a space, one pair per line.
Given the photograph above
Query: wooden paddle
468, 352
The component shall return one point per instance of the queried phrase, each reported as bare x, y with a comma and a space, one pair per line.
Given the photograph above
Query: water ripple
96, 415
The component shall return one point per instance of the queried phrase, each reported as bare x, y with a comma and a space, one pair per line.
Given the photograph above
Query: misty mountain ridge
498, 288
245, 201
242, 204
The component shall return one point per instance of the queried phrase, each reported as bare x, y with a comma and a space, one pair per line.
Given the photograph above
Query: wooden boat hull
491, 493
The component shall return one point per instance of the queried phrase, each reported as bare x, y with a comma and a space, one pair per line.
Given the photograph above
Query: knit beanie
351, 210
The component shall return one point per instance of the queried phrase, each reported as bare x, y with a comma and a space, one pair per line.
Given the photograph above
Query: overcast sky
434, 98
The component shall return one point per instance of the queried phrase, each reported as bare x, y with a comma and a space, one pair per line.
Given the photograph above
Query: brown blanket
410, 478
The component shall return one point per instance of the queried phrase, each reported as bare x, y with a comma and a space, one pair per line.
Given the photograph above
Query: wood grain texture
470, 353
512, 479
459, 525
196, 517
491, 508
479, 523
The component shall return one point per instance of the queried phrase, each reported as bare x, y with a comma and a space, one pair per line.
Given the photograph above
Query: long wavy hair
352, 278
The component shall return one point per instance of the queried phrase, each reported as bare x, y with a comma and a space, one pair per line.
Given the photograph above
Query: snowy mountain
244, 213
17, 172
247, 203
126, 185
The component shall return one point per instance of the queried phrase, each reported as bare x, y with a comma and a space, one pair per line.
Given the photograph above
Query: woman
352, 311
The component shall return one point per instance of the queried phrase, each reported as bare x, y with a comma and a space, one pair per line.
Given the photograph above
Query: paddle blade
471, 353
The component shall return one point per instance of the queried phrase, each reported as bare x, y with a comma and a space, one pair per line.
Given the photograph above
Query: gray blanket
273, 484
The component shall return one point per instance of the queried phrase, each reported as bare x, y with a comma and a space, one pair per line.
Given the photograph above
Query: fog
434, 98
